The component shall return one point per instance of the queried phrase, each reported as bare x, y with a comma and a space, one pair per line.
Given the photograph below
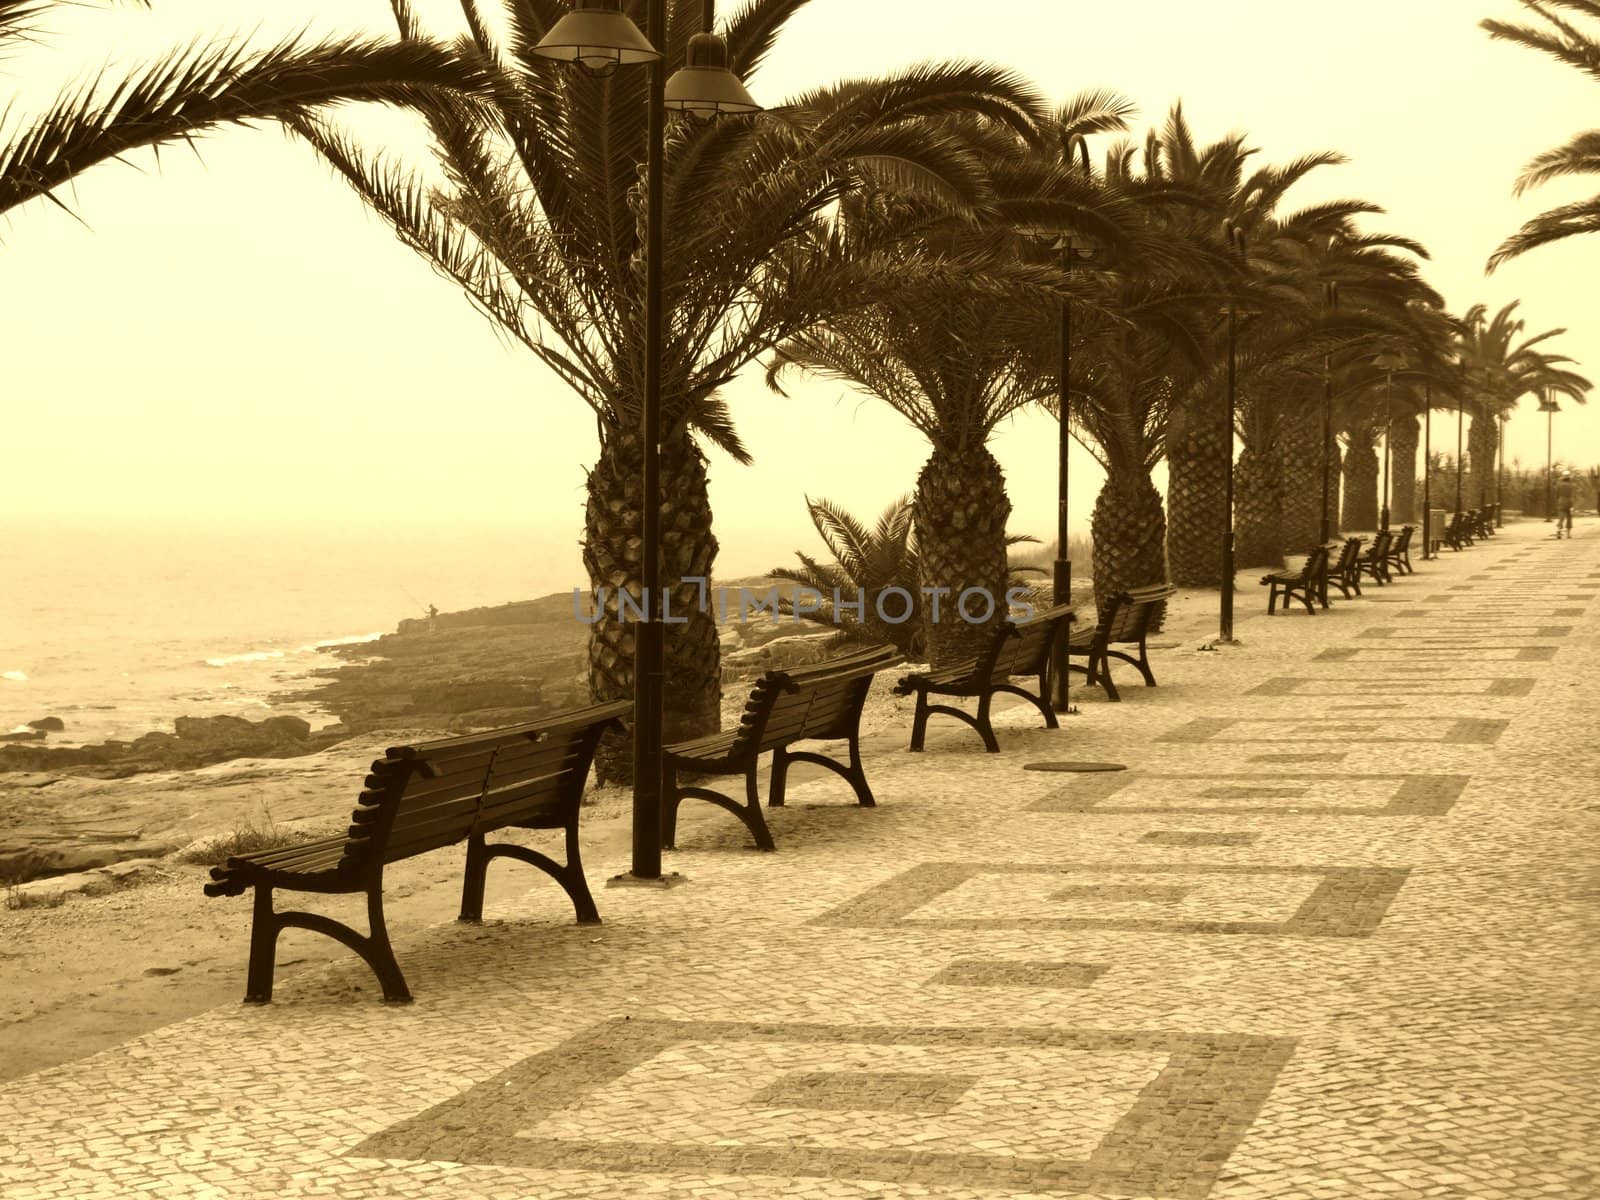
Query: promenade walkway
1333, 936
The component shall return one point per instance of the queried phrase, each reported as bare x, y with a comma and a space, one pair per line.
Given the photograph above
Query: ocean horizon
120, 630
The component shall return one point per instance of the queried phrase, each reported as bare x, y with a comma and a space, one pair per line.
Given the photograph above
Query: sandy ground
99, 970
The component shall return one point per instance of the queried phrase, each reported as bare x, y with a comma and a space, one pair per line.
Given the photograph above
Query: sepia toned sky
230, 338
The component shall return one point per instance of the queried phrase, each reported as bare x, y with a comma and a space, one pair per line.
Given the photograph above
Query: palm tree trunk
1482, 437
1361, 478
960, 509
1405, 434
1335, 483
1195, 496
1300, 455
612, 531
1129, 531
1258, 507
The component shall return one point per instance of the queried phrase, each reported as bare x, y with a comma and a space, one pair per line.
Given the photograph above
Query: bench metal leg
919, 723
374, 948
985, 729
979, 722
472, 880
1142, 664
853, 774
1043, 706
263, 948
569, 875
670, 797
749, 812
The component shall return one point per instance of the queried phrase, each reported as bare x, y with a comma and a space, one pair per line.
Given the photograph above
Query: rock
133, 868
213, 729
294, 728
50, 724
118, 860
797, 650
51, 890
21, 735
42, 893
196, 742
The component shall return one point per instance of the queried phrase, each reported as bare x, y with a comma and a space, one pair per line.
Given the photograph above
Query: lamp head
704, 85
598, 36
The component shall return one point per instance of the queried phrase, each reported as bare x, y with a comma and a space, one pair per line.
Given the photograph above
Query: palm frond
200, 88
1569, 220
1580, 156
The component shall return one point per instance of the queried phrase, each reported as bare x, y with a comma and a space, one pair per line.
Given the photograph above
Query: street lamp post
1427, 469
1461, 405
1073, 252
1330, 296
1236, 242
1549, 408
599, 37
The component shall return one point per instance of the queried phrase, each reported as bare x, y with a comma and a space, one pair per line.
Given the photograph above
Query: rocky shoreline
77, 808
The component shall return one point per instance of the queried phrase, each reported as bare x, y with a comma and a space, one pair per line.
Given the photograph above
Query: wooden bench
1306, 584
1125, 622
1013, 649
421, 798
1398, 556
1483, 523
1375, 562
1452, 535
1344, 572
820, 703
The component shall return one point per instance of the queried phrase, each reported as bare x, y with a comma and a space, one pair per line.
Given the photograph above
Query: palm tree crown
1566, 42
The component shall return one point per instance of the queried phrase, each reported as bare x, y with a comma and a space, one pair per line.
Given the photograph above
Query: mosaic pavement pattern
1331, 935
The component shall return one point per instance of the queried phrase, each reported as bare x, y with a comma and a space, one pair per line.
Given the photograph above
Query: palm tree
946, 353
1143, 338
1261, 289
537, 217
1498, 367
868, 562
196, 89
1562, 40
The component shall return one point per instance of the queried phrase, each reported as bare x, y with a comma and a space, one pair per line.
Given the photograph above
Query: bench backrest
822, 701
1315, 566
1348, 557
434, 794
1380, 546
1023, 648
1403, 542
1128, 616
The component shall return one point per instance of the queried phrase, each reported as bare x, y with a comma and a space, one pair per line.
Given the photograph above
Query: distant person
433, 618
1564, 504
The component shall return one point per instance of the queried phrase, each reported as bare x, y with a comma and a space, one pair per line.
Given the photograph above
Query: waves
14, 676
254, 656
261, 656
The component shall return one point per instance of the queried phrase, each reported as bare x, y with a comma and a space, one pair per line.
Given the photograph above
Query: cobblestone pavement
1330, 936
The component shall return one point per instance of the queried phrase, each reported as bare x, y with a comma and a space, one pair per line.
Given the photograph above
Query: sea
118, 629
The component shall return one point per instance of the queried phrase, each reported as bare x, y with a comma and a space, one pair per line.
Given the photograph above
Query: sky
228, 337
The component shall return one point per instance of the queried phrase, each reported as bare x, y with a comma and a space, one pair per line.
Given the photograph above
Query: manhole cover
1083, 767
